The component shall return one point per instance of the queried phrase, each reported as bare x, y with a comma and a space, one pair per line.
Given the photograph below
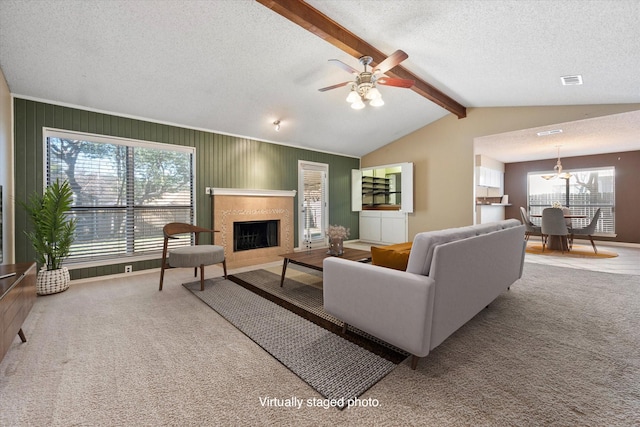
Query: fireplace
248, 235
267, 229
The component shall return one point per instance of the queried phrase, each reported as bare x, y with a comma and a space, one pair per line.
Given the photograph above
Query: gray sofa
451, 276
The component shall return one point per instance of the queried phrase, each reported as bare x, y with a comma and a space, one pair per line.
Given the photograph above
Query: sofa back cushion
425, 243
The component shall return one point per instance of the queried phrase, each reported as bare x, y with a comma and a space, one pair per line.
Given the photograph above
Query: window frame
608, 210
49, 132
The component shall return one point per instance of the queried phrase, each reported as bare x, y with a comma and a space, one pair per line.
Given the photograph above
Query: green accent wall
221, 161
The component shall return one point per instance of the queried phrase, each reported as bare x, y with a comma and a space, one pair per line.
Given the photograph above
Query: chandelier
558, 170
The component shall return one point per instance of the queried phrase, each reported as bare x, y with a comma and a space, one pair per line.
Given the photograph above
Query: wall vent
571, 80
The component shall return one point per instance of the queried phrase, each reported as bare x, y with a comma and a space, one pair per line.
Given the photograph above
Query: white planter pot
52, 281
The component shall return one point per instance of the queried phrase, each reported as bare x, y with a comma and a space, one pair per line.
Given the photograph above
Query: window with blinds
586, 191
124, 192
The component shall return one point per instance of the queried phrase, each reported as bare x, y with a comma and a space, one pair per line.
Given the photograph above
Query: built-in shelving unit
383, 195
377, 192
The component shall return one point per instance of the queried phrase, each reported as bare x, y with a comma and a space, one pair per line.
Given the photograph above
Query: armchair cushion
392, 256
193, 256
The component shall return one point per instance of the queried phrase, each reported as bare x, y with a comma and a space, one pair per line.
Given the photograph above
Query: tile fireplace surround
231, 205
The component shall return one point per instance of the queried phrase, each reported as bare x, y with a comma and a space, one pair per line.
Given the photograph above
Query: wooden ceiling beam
324, 27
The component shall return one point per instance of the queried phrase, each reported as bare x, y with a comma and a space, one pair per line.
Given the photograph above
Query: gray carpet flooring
338, 369
559, 349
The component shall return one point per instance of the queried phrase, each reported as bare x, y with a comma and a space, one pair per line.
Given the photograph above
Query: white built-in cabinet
384, 227
383, 195
487, 177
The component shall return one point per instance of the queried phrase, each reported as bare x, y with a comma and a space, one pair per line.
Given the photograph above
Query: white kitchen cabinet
487, 177
489, 213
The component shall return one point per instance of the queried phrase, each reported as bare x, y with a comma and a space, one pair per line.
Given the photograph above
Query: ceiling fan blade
324, 89
390, 81
347, 68
392, 60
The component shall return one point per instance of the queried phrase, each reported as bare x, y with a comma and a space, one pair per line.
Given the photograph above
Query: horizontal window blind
586, 191
124, 192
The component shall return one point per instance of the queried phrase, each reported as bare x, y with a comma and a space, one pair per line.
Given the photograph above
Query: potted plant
51, 235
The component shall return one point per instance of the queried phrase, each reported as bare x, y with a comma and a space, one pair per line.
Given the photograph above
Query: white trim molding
251, 192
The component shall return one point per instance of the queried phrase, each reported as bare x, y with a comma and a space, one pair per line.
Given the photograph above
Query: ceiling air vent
571, 80
549, 132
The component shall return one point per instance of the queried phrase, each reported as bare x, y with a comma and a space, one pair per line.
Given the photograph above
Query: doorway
313, 212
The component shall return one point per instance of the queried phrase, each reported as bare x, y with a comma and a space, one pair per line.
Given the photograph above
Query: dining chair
553, 224
589, 230
195, 255
531, 228
566, 211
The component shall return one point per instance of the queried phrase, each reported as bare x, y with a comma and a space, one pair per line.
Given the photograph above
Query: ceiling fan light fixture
363, 88
358, 105
377, 102
353, 96
373, 93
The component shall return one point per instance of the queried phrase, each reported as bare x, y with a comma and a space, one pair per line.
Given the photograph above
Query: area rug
578, 251
302, 294
336, 368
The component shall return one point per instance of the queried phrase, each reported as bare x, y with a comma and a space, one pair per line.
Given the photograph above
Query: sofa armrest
392, 305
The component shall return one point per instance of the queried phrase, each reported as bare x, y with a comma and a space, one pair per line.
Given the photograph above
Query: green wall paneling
222, 161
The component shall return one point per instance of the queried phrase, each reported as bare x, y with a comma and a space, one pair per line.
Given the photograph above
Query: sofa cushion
425, 243
392, 256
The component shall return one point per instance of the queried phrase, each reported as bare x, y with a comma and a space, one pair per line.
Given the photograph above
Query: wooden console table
17, 295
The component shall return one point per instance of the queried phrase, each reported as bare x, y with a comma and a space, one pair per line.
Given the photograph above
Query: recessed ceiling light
549, 132
571, 80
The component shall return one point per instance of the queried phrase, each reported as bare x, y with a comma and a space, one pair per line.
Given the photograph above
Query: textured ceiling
613, 133
236, 66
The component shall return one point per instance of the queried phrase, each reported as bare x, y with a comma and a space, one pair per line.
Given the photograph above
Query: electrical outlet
207, 190
128, 268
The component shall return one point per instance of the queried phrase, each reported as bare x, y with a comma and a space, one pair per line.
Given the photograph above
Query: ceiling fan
364, 87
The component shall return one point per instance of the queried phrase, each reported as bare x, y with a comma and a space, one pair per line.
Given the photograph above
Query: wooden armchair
190, 256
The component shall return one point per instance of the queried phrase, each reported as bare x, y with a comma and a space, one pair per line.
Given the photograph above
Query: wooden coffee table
313, 258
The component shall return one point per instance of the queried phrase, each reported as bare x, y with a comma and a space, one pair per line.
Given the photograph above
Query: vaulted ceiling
236, 66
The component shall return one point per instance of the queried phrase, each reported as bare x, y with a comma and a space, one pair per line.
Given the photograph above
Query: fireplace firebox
249, 235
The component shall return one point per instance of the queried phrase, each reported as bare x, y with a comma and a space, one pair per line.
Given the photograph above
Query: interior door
313, 209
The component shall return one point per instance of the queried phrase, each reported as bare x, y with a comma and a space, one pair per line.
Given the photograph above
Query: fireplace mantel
251, 192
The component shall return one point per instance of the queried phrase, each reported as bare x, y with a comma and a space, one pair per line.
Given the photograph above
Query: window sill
113, 261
